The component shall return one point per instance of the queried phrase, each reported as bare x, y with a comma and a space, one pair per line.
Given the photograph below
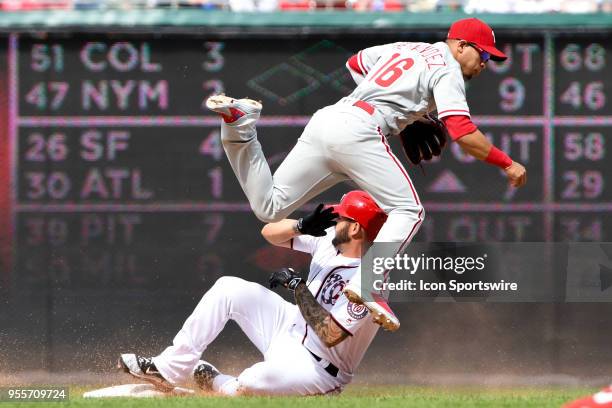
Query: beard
342, 237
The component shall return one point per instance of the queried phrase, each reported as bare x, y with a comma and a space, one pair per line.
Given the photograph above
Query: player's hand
517, 175
286, 277
317, 221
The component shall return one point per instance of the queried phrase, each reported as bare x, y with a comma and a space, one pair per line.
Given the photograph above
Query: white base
136, 391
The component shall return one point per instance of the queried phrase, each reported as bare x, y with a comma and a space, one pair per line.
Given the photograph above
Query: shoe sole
158, 383
220, 103
378, 317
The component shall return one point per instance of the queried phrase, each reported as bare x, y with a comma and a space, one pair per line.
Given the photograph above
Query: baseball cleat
204, 374
378, 307
232, 109
144, 369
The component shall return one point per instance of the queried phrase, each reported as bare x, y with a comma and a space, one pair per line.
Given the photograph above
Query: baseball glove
424, 139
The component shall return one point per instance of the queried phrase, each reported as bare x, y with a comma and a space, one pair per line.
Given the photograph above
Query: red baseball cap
478, 32
361, 207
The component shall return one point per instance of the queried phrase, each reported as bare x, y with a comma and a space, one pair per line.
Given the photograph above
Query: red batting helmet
359, 206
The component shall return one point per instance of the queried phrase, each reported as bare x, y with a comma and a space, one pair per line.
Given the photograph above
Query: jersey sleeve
348, 315
304, 243
310, 244
360, 64
449, 94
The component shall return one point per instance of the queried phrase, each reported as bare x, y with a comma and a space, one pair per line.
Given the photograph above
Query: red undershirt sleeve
353, 64
459, 125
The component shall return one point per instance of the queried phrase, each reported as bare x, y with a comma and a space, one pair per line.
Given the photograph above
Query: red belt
365, 106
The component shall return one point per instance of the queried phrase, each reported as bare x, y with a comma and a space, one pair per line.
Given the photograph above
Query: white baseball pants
340, 142
288, 368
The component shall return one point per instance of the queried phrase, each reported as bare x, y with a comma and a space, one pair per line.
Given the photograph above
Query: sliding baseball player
310, 347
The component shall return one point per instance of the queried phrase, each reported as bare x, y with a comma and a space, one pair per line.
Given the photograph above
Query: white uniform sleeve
348, 315
360, 64
305, 243
449, 93
310, 244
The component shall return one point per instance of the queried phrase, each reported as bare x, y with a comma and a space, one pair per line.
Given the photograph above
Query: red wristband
498, 158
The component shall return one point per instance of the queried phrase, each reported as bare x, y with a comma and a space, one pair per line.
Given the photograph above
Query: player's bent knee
269, 206
267, 216
264, 217
236, 289
416, 211
226, 282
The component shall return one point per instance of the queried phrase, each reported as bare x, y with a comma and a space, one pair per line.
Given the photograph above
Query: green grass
355, 396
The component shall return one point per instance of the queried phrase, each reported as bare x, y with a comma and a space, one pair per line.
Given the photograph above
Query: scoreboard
116, 167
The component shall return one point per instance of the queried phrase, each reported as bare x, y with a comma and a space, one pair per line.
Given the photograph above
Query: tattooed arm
318, 318
330, 332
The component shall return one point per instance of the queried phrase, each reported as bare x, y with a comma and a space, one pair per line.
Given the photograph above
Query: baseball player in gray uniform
311, 347
397, 84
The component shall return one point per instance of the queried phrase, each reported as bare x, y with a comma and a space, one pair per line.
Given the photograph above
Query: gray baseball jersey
406, 80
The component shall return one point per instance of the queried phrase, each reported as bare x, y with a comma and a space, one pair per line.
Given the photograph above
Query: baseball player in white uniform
311, 347
397, 84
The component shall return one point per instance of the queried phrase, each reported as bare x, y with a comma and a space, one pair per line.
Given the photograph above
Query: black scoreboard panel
134, 164
457, 176
170, 165
143, 250
119, 170
169, 77
582, 164
582, 69
166, 76
514, 86
482, 226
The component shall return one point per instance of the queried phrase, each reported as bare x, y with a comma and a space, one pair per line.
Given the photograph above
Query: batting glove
317, 222
286, 277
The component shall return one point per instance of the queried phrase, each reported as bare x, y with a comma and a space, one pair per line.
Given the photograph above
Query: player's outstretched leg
144, 369
258, 311
244, 152
360, 148
241, 113
304, 173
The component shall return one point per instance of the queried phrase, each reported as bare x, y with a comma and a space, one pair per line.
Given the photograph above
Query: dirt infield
88, 379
